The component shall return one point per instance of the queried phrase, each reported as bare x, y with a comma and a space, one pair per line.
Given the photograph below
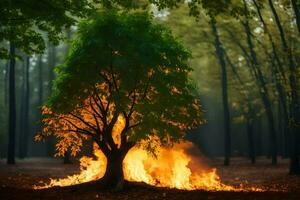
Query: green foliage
24, 22
197, 37
144, 67
28, 24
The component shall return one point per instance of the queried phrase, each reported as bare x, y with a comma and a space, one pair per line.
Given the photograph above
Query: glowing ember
173, 168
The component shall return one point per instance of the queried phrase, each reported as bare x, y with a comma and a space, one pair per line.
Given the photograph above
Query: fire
173, 167
180, 166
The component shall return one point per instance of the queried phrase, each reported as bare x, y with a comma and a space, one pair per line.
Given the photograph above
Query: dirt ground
16, 182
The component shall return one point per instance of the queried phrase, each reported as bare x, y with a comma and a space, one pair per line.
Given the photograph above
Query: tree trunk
12, 107
51, 77
250, 135
6, 83
263, 90
114, 176
259, 134
297, 13
294, 154
294, 105
277, 70
41, 81
22, 106
25, 112
220, 54
67, 158
49, 144
51, 63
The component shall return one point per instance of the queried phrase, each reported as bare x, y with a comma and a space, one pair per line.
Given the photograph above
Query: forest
150, 99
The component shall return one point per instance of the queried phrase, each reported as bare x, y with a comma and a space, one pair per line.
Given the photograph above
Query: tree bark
24, 132
258, 142
6, 83
294, 105
263, 90
41, 81
51, 63
278, 71
294, 168
49, 143
114, 176
249, 115
250, 135
12, 107
67, 158
220, 54
297, 13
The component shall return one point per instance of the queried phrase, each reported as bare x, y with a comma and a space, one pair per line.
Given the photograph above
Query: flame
173, 168
180, 166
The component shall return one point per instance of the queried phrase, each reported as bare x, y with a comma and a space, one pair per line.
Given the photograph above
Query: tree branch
82, 120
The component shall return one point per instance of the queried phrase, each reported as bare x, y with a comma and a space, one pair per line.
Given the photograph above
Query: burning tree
125, 80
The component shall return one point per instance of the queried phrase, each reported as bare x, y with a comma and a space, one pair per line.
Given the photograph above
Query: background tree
273, 64
221, 56
22, 27
24, 111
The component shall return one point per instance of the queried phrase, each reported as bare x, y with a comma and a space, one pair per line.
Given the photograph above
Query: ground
16, 182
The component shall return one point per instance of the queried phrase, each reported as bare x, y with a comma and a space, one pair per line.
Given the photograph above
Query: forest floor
16, 182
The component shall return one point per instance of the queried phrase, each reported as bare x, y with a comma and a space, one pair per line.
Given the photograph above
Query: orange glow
180, 166
173, 168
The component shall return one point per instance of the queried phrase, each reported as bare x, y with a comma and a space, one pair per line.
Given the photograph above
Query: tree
24, 113
295, 6
294, 104
277, 71
221, 57
22, 26
31, 19
125, 80
12, 107
248, 111
261, 81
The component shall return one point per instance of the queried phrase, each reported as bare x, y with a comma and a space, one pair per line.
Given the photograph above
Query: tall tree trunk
24, 131
220, 54
263, 90
294, 168
279, 74
40, 81
49, 146
21, 115
294, 105
51, 65
6, 83
297, 13
12, 107
250, 135
67, 159
250, 114
283, 127
259, 132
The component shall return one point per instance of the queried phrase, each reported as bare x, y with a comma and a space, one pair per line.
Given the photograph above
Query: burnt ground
16, 182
